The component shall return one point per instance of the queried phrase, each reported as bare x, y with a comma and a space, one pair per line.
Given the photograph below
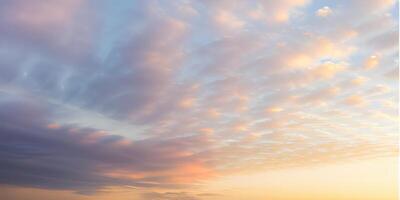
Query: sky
199, 100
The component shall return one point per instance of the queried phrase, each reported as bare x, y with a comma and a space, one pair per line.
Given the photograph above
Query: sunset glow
199, 100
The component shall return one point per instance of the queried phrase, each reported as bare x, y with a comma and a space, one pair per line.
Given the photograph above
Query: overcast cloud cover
167, 94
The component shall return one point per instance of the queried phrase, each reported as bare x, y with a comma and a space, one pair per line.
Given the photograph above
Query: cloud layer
157, 94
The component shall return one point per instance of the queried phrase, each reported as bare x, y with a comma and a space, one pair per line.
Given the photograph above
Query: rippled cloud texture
159, 95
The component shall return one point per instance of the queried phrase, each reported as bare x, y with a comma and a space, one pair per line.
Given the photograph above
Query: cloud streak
163, 96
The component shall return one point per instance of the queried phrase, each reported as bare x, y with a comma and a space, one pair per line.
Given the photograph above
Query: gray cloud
75, 158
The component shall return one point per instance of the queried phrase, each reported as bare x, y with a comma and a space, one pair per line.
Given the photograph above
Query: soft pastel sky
199, 100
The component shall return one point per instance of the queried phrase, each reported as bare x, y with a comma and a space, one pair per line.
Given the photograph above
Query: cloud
324, 11
379, 90
393, 74
42, 14
161, 96
50, 26
355, 100
170, 196
371, 62
83, 158
226, 19
321, 95
384, 41
327, 70
274, 109
358, 81
280, 11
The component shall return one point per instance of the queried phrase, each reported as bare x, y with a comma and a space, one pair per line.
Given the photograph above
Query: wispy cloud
160, 95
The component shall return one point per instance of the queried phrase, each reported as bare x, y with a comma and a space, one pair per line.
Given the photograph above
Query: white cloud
324, 11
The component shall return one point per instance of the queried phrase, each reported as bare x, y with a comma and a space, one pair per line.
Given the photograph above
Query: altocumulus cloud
160, 94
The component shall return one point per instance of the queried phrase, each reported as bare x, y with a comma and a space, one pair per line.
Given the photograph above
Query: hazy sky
198, 100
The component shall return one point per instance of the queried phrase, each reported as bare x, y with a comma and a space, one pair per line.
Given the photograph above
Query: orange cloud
207, 131
53, 126
327, 70
187, 102
274, 109
358, 81
371, 62
355, 100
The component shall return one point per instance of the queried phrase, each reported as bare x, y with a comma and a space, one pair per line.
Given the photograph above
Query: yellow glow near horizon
372, 179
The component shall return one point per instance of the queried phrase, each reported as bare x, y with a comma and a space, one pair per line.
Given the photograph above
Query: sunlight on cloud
324, 11
164, 100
